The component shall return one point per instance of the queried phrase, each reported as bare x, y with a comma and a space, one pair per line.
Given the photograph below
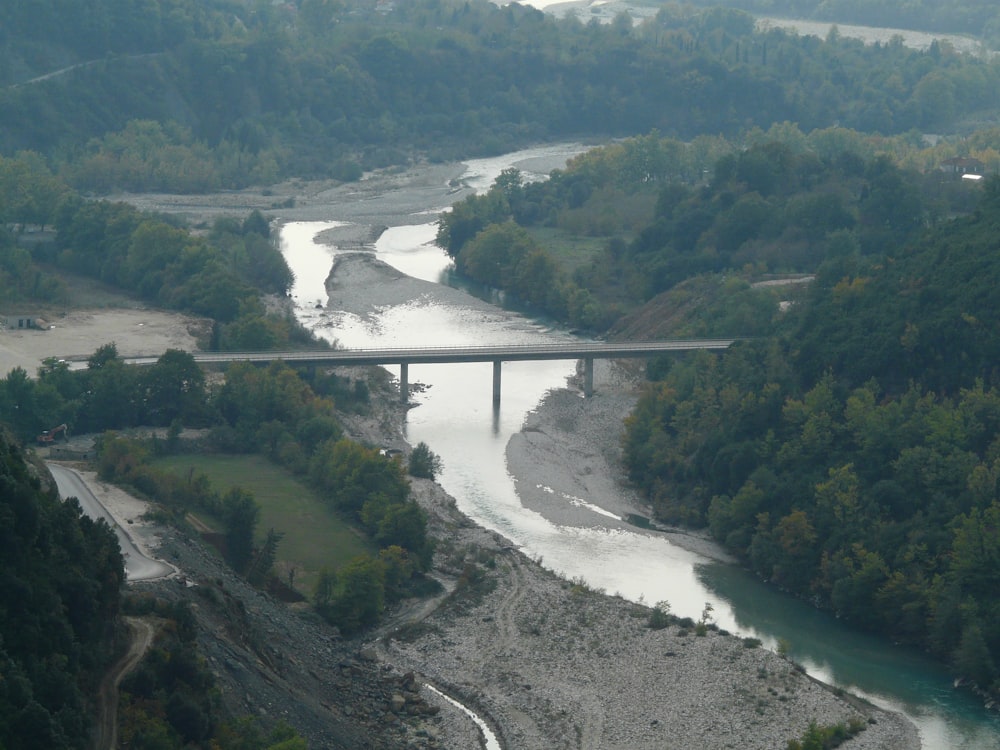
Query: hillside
59, 604
193, 97
481, 643
848, 457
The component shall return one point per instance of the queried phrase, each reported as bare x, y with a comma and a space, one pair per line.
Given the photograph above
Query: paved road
138, 567
445, 354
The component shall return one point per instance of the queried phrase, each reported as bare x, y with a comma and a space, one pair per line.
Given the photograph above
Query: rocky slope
547, 663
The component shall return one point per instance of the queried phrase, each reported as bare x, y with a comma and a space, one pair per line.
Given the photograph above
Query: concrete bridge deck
587, 351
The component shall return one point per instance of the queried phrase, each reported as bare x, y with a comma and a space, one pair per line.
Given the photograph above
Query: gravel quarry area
74, 335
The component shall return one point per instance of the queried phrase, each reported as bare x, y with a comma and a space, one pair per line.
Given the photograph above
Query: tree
405, 525
399, 569
352, 473
424, 463
18, 405
102, 355
256, 223
174, 388
29, 193
972, 659
264, 557
975, 560
359, 595
59, 591
113, 400
796, 540
240, 514
153, 246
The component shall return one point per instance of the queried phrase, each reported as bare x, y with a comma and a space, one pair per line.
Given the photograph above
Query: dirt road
141, 637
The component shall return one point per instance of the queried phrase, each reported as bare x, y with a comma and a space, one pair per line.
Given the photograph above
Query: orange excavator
49, 436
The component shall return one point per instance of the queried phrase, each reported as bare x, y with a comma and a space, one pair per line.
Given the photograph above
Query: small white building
24, 322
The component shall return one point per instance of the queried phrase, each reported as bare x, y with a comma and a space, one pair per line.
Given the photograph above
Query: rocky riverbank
549, 663
552, 664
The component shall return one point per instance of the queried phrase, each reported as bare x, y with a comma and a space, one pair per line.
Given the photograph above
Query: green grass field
568, 251
315, 536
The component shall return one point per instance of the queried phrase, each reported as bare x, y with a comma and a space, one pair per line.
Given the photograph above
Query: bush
659, 616
424, 463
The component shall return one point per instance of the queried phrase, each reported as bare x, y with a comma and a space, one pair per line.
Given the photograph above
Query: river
456, 418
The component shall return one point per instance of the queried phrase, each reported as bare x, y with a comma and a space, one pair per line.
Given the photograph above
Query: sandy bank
76, 334
388, 197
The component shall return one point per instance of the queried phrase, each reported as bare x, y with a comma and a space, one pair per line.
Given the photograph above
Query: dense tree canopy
853, 457
661, 212
60, 574
256, 92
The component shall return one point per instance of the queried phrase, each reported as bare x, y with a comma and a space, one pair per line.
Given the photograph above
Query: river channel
455, 416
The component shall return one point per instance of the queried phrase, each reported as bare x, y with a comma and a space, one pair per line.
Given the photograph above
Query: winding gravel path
141, 632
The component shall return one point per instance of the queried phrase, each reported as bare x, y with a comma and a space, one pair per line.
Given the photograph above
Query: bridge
497, 354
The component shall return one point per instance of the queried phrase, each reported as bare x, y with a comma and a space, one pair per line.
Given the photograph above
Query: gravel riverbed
549, 663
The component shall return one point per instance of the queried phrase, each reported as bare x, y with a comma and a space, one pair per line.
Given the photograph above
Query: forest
286, 417
188, 97
60, 575
850, 457
783, 202
61, 628
46, 699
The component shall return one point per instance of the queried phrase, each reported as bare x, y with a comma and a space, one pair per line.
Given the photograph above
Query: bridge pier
588, 377
496, 381
404, 385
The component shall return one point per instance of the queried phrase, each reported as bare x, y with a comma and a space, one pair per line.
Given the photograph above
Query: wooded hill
627, 222
188, 96
852, 458
848, 453
60, 574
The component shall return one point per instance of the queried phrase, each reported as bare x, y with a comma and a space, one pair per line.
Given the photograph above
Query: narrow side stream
489, 738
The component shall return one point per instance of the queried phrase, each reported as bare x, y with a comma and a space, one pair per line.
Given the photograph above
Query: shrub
424, 463
659, 616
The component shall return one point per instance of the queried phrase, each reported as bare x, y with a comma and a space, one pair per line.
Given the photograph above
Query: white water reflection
455, 416
534, 164
579, 502
411, 249
309, 261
